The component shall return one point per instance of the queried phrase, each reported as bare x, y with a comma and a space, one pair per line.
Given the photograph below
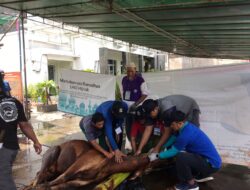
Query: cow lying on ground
76, 164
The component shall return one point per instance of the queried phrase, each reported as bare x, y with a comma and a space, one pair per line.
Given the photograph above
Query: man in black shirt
11, 116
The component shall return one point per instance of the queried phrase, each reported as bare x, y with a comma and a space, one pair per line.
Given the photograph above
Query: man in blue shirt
6, 85
114, 113
92, 127
200, 158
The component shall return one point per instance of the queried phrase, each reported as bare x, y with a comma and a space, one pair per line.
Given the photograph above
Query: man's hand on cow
37, 147
138, 152
119, 155
153, 156
109, 154
155, 150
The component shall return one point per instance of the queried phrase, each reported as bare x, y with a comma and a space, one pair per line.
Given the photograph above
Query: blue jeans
7, 157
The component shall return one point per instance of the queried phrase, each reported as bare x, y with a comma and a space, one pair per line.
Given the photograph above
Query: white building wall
9, 53
41, 47
107, 54
88, 51
182, 62
134, 59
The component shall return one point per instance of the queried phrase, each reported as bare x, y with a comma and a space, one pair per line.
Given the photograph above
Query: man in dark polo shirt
161, 109
11, 116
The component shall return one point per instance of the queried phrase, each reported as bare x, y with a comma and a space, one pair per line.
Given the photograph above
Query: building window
51, 71
111, 67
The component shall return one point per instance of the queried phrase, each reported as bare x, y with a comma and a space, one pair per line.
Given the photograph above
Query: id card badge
157, 131
1, 145
118, 130
127, 95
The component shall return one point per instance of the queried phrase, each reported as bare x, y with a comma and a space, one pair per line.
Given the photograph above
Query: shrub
118, 95
42, 90
32, 92
45, 89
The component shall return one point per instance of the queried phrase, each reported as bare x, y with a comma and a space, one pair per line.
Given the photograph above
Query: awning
199, 28
5, 19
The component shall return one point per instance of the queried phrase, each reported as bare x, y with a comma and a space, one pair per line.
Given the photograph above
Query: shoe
205, 179
186, 186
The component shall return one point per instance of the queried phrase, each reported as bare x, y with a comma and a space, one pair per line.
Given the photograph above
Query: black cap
139, 113
171, 116
166, 116
118, 110
149, 105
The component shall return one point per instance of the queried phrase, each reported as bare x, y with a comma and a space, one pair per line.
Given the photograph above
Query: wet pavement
65, 127
51, 129
230, 177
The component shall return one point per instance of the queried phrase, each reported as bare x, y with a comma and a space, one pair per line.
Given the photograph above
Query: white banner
81, 92
223, 94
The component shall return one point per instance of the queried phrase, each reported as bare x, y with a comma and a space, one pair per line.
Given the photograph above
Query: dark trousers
103, 144
128, 125
7, 157
191, 166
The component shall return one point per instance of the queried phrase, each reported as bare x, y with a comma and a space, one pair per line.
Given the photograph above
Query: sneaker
186, 186
205, 179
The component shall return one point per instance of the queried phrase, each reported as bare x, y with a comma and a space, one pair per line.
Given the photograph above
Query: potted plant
44, 90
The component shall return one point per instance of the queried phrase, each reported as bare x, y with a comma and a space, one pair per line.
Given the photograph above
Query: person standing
92, 127
11, 116
162, 108
196, 156
135, 91
114, 113
6, 87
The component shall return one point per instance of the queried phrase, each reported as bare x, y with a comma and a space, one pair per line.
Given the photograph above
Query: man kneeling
200, 158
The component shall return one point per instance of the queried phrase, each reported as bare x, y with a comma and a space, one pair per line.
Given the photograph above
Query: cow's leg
137, 173
128, 165
74, 183
86, 166
146, 168
48, 165
70, 152
59, 158
66, 159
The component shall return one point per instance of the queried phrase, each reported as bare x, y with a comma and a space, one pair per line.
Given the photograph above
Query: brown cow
76, 164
